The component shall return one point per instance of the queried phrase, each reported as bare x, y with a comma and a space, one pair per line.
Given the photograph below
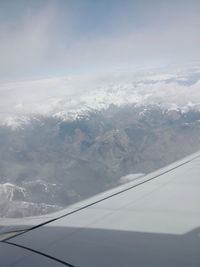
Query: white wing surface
152, 221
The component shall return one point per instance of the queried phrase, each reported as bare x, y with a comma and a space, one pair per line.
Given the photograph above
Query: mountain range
108, 134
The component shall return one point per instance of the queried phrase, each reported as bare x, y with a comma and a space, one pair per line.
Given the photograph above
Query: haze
49, 38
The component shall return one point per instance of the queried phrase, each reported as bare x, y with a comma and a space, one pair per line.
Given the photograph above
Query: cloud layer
41, 38
71, 96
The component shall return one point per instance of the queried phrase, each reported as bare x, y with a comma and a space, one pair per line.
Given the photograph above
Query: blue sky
49, 38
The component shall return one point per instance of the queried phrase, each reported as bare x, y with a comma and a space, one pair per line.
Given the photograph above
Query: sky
46, 38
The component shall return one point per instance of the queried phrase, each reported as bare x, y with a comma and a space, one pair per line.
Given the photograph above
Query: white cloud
49, 40
71, 96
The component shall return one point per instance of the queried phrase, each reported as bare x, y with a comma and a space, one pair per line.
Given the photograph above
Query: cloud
25, 46
69, 36
74, 95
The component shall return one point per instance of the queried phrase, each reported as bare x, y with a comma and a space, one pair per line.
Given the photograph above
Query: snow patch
130, 177
70, 98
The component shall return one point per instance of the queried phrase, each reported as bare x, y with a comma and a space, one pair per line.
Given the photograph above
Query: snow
130, 177
72, 97
7, 190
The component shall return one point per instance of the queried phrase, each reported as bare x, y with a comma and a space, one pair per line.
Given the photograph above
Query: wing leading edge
152, 221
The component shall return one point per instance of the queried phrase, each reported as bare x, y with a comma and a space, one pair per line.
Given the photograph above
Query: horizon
48, 38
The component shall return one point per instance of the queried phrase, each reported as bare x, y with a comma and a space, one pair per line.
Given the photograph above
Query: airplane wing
151, 221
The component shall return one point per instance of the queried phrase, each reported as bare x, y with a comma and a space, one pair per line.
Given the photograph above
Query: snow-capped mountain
72, 97
79, 137
18, 201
